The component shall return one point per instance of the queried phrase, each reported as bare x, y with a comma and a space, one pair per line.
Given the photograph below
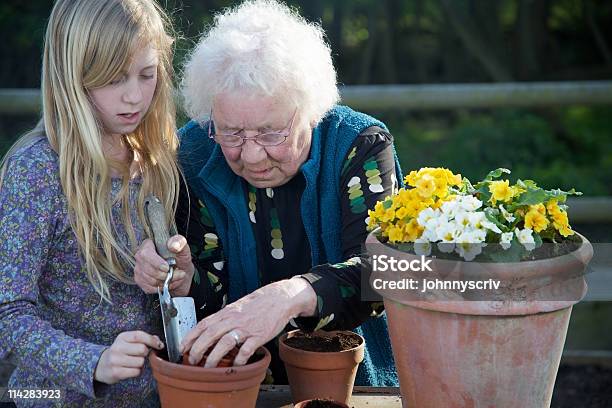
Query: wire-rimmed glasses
237, 139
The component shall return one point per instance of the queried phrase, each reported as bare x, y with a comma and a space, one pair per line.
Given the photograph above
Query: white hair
261, 47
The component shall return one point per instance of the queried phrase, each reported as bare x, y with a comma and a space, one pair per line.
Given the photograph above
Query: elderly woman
281, 179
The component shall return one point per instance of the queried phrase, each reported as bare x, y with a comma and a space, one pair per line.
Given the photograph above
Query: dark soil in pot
322, 342
323, 403
226, 361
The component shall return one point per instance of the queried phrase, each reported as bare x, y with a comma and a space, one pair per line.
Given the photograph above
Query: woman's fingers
246, 351
223, 346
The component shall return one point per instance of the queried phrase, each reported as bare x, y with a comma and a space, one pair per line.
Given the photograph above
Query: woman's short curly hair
261, 47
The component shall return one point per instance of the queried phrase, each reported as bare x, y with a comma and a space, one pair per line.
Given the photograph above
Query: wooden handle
156, 220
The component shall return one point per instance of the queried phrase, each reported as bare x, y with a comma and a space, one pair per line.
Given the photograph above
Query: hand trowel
178, 313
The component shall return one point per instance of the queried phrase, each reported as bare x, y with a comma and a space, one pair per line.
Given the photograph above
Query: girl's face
123, 103
262, 166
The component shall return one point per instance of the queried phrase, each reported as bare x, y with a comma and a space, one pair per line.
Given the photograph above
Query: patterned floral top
53, 325
283, 250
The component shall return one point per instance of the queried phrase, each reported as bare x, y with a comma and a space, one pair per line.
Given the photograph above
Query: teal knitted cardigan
213, 181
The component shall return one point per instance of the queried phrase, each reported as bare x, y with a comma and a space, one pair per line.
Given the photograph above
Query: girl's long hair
89, 43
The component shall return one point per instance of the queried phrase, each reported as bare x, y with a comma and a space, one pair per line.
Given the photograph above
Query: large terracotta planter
325, 375
502, 353
223, 387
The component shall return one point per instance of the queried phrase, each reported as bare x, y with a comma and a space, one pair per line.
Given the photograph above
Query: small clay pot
182, 385
324, 375
319, 403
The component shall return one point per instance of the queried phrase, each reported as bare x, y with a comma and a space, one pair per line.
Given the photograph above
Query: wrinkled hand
255, 319
126, 356
151, 269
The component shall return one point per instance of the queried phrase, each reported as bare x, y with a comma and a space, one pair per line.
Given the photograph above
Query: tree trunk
529, 41
387, 34
472, 39
368, 54
596, 32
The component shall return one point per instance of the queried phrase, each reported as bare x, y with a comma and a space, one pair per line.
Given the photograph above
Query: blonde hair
261, 47
89, 43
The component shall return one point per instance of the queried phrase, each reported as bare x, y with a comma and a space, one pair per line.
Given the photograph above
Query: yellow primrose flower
561, 223
553, 207
410, 179
535, 220
401, 213
426, 186
413, 230
566, 231
395, 234
539, 208
501, 191
517, 191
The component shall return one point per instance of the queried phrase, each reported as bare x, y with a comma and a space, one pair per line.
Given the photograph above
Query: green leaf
531, 197
483, 193
387, 204
537, 239
490, 214
496, 173
526, 184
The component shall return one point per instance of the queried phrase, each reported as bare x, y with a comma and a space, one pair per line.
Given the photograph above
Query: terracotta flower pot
316, 403
484, 353
326, 375
222, 387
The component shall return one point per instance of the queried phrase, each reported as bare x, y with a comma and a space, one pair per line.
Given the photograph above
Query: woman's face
262, 166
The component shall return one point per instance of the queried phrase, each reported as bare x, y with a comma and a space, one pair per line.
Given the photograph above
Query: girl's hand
151, 269
250, 322
125, 357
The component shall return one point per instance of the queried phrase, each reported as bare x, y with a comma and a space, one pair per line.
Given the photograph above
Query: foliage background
424, 41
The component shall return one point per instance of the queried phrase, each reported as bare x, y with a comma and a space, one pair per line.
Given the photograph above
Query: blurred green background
424, 41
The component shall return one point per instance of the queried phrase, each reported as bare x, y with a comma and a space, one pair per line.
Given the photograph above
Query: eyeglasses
237, 139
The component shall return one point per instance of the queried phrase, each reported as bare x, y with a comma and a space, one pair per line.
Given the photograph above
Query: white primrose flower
506, 240
462, 219
450, 208
430, 234
447, 232
526, 238
428, 214
470, 203
507, 216
422, 246
479, 221
469, 245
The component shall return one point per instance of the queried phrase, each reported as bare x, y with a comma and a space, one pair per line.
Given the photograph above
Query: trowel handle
156, 220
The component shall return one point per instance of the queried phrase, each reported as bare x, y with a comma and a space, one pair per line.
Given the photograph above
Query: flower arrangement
440, 207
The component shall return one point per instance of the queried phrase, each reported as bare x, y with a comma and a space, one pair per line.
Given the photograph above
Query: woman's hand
251, 321
151, 269
125, 357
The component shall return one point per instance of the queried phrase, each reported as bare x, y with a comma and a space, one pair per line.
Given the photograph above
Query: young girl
71, 200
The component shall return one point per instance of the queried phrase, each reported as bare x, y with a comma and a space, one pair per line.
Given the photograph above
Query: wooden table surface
279, 396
